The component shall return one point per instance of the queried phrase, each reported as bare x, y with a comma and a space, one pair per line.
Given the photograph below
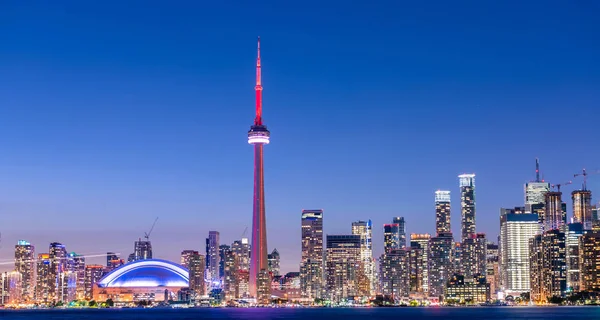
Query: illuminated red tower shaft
259, 136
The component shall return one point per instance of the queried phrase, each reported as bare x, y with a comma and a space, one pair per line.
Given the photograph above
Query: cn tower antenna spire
258, 89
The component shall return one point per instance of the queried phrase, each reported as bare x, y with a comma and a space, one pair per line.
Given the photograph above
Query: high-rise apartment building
364, 229
344, 269
536, 270
274, 262
421, 242
474, 256
25, 265
574, 232
554, 274
442, 212
516, 229
213, 259
58, 266
76, 265
440, 263
582, 208
44, 279
196, 267
230, 275
93, 274
11, 291
589, 251
395, 274
311, 261
548, 265
142, 250
467, 205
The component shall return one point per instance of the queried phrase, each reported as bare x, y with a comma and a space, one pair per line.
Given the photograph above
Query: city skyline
77, 127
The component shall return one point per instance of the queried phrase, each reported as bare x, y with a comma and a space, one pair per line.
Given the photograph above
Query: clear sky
115, 112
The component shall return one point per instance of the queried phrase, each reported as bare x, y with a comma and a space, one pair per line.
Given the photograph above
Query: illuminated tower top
258, 89
258, 133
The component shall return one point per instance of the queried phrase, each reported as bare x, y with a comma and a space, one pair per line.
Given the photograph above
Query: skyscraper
516, 229
442, 212
311, 263
535, 191
343, 267
185, 257
555, 215
364, 229
467, 205
582, 208
391, 240
274, 261
25, 265
259, 136
224, 251
45, 282
421, 241
76, 265
440, 262
241, 248
574, 232
58, 266
589, 251
394, 273
196, 266
474, 262
213, 258
401, 232
142, 250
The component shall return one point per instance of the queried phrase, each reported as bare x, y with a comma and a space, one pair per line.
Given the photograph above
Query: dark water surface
472, 313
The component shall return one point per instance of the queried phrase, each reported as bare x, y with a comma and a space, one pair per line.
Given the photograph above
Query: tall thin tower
259, 285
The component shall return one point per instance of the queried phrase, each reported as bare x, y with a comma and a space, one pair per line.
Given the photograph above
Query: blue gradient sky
115, 112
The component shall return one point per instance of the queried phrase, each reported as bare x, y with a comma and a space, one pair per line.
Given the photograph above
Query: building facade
467, 205
440, 263
589, 250
344, 269
516, 229
442, 212
582, 208
311, 260
421, 242
25, 265
213, 258
364, 229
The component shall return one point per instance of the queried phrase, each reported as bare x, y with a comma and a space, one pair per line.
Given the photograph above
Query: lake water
471, 313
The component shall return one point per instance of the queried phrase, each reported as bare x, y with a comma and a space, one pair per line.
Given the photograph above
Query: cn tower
260, 283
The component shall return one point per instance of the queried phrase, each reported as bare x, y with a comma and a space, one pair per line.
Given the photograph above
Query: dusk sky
115, 112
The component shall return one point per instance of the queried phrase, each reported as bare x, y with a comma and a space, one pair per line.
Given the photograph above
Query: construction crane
558, 185
244, 233
147, 234
585, 174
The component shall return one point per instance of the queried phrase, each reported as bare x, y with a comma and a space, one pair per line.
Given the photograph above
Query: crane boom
147, 234
558, 185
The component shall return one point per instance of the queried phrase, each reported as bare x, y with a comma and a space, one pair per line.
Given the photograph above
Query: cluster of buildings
541, 250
